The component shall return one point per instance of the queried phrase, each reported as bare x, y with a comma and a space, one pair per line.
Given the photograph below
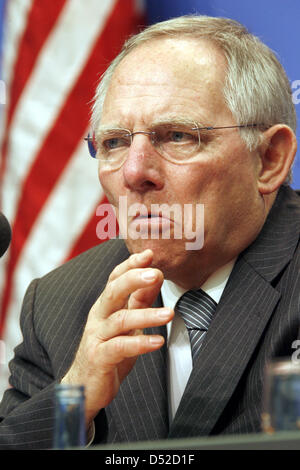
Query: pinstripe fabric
256, 319
53, 317
146, 418
197, 309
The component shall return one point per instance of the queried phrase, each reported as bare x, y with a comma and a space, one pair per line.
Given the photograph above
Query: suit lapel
140, 409
239, 321
235, 330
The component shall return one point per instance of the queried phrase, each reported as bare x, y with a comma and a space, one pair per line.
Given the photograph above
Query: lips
152, 218
143, 213
151, 222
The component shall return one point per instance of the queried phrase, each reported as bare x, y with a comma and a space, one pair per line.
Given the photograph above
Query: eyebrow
174, 120
102, 130
165, 120
181, 119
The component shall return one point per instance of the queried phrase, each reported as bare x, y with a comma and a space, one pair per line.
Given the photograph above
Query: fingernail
156, 340
144, 255
163, 314
149, 275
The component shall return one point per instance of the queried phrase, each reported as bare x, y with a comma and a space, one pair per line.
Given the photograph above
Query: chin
159, 247
168, 255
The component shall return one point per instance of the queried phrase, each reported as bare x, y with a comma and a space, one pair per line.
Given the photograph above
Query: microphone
5, 234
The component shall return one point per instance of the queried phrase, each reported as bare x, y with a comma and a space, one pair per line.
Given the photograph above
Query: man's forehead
178, 76
178, 54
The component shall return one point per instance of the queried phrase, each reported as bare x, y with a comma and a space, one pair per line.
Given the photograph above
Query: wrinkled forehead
171, 58
177, 68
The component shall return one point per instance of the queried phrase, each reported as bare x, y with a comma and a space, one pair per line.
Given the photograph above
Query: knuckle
119, 346
140, 343
110, 292
132, 261
112, 275
120, 318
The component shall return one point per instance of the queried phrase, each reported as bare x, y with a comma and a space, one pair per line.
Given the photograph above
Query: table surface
277, 441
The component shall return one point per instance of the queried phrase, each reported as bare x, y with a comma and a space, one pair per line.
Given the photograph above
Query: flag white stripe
70, 205
13, 29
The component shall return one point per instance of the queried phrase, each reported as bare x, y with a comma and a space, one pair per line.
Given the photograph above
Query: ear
277, 154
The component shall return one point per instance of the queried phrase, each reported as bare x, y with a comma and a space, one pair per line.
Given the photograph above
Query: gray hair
256, 87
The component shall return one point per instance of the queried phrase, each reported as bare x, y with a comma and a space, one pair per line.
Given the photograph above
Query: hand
113, 336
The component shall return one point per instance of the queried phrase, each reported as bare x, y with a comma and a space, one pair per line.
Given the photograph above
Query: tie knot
196, 309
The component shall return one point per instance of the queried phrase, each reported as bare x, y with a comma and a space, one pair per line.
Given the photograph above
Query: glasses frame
93, 151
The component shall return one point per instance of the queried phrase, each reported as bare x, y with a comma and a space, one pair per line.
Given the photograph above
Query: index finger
136, 260
116, 293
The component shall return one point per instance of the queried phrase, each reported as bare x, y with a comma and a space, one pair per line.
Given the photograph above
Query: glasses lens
113, 147
177, 142
91, 145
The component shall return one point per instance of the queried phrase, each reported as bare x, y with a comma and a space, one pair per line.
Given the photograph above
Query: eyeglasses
177, 143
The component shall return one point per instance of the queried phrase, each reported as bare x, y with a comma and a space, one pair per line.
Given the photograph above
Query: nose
142, 169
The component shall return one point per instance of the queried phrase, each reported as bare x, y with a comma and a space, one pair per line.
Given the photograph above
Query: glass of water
281, 401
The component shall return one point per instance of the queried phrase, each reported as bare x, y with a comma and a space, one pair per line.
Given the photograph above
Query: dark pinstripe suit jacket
256, 319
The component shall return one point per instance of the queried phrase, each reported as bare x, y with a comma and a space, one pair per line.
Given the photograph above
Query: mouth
139, 220
151, 224
151, 218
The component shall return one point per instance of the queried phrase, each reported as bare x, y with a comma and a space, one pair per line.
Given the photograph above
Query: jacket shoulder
97, 261
61, 300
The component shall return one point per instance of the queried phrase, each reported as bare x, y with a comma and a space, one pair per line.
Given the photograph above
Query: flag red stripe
40, 22
67, 130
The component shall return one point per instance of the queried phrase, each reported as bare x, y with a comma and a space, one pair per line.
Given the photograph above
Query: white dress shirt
179, 348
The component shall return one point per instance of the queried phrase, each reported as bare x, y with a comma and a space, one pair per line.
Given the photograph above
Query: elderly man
194, 113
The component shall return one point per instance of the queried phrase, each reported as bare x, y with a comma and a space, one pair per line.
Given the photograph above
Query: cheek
195, 182
221, 183
110, 184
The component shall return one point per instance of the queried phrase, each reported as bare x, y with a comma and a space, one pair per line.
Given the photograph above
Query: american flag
54, 53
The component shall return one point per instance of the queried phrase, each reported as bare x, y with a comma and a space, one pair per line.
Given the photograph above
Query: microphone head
5, 234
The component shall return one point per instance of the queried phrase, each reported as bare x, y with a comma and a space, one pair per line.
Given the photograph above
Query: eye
116, 142
177, 136
112, 143
180, 137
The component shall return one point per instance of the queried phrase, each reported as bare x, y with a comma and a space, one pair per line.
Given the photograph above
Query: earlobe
277, 154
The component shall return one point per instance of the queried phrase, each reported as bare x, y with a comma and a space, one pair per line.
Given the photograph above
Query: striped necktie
196, 309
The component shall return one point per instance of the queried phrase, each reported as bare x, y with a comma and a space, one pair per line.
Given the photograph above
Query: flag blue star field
51, 60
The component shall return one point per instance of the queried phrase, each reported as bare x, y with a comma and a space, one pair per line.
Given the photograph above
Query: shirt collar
213, 286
